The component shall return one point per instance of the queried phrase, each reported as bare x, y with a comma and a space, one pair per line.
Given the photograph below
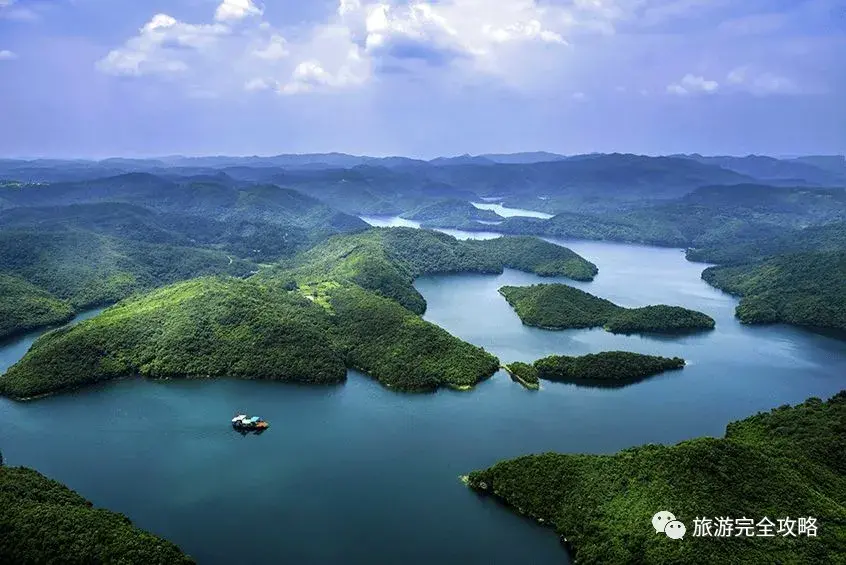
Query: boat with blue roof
247, 423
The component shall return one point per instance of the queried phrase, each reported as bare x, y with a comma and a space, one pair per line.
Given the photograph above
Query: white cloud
579, 96
518, 44
236, 10
276, 48
692, 84
470, 28
162, 46
6, 55
761, 83
241, 49
336, 62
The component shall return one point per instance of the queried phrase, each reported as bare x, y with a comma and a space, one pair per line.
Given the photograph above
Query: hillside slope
43, 521
805, 289
785, 463
559, 306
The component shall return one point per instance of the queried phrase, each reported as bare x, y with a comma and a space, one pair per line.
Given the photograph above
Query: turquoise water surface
357, 474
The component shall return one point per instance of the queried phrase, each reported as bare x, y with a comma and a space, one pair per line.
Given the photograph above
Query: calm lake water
510, 212
356, 474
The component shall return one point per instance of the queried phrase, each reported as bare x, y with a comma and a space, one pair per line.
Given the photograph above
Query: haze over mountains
394, 185
810, 168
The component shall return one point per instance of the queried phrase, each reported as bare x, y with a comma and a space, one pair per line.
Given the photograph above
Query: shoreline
518, 379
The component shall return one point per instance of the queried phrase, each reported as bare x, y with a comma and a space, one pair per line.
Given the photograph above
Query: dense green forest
605, 368
401, 350
253, 237
113, 237
755, 243
536, 256
708, 217
303, 321
805, 289
43, 521
25, 307
451, 212
79, 269
387, 260
525, 374
215, 197
789, 462
559, 306
230, 327
200, 328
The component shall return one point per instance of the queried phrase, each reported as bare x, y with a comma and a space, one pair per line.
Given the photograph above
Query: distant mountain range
808, 167
593, 183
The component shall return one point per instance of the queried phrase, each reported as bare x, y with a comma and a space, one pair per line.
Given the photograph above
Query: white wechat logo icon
665, 522
675, 529
661, 519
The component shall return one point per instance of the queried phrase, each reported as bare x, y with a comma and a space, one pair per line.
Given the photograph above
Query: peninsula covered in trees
347, 303
43, 521
451, 213
608, 368
804, 289
559, 306
788, 462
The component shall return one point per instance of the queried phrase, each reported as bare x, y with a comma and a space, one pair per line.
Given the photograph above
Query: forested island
605, 369
43, 521
788, 462
559, 306
347, 303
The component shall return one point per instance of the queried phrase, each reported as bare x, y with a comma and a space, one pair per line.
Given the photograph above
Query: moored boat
243, 422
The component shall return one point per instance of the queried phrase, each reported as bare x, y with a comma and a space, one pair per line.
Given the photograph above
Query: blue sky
97, 78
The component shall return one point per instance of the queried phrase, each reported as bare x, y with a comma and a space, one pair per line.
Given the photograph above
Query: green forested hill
200, 328
806, 289
262, 222
80, 269
256, 239
786, 463
43, 521
230, 327
348, 302
387, 260
400, 349
754, 243
558, 306
25, 307
708, 217
97, 241
605, 368
451, 212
